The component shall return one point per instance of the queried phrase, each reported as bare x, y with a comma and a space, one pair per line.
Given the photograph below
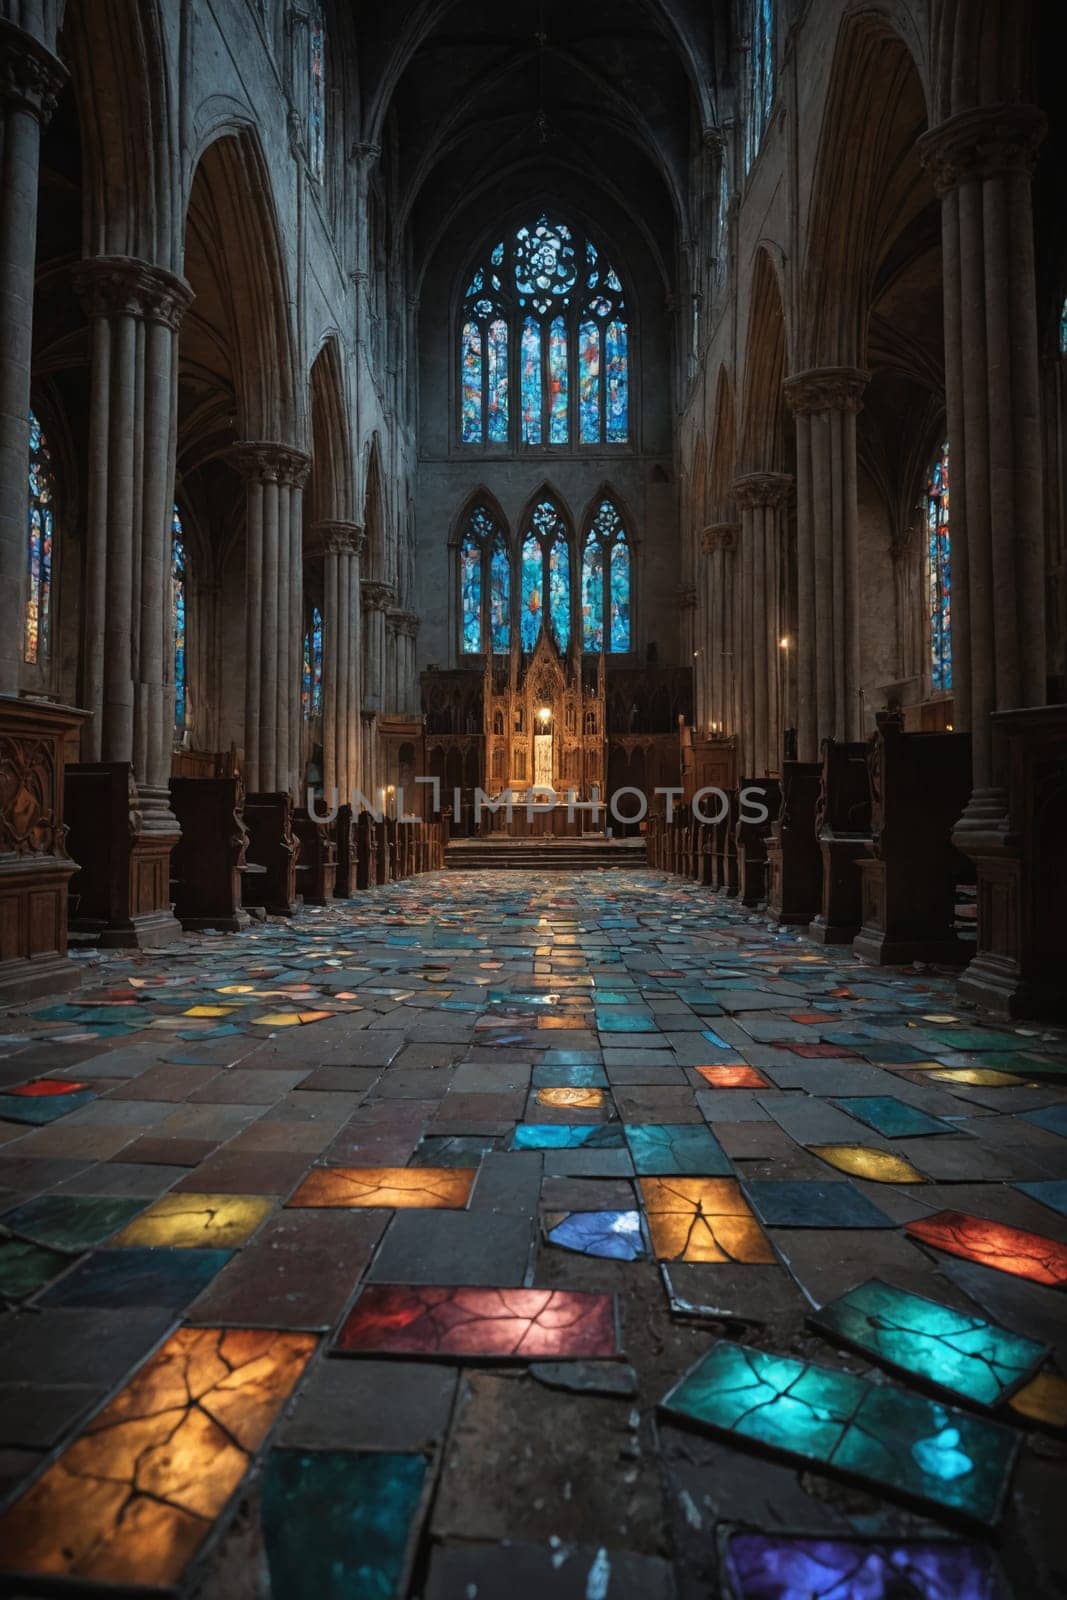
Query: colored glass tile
431, 1188
733, 1075
566, 1136
977, 1077
785, 1203
1051, 1192
337, 1524
879, 1166
39, 1109
71, 1221
485, 1324
291, 1019
139, 1489
1043, 1399
994, 1244
776, 1567
621, 1022
571, 1098
685, 1148
878, 1433
703, 1219
47, 1087
209, 1011
576, 1074
471, 383
893, 1118
26, 1267
530, 380
614, 1234
953, 1350
138, 1277
458, 1150
188, 1220
1052, 1118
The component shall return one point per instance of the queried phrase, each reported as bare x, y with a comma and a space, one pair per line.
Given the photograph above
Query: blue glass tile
764, 1566
138, 1277
683, 1148
893, 1118
616, 1234
561, 1136
784, 1203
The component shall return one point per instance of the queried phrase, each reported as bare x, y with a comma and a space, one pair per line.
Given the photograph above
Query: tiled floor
467, 1240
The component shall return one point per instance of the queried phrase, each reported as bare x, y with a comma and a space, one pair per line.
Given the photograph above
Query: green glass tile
72, 1221
25, 1267
689, 1148
39, 1110
972, 1038
893, 1118
953, 1350
614, 1022
582, 1075
880, 1434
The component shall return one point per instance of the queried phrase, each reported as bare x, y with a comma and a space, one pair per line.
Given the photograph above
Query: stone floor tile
373, 1405
480, 1248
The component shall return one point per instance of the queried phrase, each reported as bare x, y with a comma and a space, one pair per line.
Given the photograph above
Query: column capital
31, 77
376, 596
686, 597
405, 622
124, 286
982, 143
720, 536
366, 150
762, 489
261, 462
826, 389
340, 538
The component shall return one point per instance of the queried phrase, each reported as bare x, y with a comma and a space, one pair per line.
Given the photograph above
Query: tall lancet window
761, 76
606, 582
317, 93
484, 584
544, 343
546, 577
939, 571
40, 531
178, 573
311, 680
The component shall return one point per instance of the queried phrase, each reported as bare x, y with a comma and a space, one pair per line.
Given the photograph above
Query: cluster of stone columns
761, 498
719, 543
402, 629
376, 598
342, 546
274, 478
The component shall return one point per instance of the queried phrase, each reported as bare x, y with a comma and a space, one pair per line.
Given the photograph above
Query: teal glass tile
40, 1109
613, 1022
679, 1148
138, 1277
71, 1221
1051, 1192
891, 1117
1053, 1119
879, 1434
956, 1351
789, 1203
561, 1136
26, 1267
338, 1525
580, 1076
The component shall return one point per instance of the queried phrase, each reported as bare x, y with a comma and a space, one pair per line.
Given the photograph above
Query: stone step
544, 855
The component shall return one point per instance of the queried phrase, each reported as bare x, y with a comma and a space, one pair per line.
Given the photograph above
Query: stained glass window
547, 294
500, 594
546, 571
470, 588
317, 95
939, 571
761, 69
40, 533
484, 584
606, 582
311, 687
1063, 329
178, 572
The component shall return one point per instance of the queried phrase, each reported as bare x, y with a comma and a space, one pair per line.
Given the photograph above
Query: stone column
825, 402
375, 599
135, 310
719, 543
30, 80
689, 632
981, 162
405, 627
342, 544
274, 623
760, 497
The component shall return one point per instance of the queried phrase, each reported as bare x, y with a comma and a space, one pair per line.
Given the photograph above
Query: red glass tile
733, 1075
47, 1086
994, 1244
813, 1016
818, 1052
486, 1324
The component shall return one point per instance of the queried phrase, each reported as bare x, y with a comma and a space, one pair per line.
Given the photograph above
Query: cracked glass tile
1051, 1192
429, 1188
452, 1150
733, 1075
956, 1351
978, 1077
774, 1567
71, 1221
139, 1489
611, 1022
27, 1267
615, 1234
877, 1433
662, 1149
290, 1019
191, 1221
994, 1244
860, 1161
337, 1524
42, 1108
1043, 1400
480, 1324
577, 1075
703, 1219
567, 1098
47, 1087
892, 1118
788, 1203
565, 1136
138, 1277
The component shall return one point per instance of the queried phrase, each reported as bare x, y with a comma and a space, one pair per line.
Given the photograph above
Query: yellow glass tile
940, 1016
918, 1066
290, 1019
209, 1011
703, 1219
572, 1099
236, 988
432, 1188
187, 1220
880, 1166
978, 1077
564, 1019
134, 1496
1043, 1399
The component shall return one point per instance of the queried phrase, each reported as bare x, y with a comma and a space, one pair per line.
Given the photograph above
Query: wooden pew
273, 846
344, 883
793, 852
122, 888
206, 866
316, 867
752, 838
727, 833
920, 784
843, 827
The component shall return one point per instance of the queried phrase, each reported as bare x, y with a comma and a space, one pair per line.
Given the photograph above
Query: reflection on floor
577, 1236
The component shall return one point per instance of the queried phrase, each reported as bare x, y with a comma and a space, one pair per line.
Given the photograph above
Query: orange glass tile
430, 1188
564, 1019
814, 1016
703, 1219
290, 1019
733, 1075
189, 1220
209, 1011
574, 1099
1043, 1399
861, 1161
44, 1088
135, 1495
994, 1244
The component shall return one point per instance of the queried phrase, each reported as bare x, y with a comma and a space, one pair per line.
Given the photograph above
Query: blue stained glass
762, 77
471, 361
617, 372
311, 686
557, 382
530, 368
559, 591
545, 265
498, 253
619, 580
939, 568
497, 340
777, 1567
500, 595
589, 381
177, 572
39, 551
470, 588
317, 98
1063, 329
611, 281
532, 583
593, 594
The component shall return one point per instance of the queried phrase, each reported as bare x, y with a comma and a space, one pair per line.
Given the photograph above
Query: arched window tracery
606, 573
484, 584
178, 580
40, 533
939, 570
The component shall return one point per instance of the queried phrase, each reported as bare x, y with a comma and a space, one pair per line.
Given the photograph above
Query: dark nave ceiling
470, 92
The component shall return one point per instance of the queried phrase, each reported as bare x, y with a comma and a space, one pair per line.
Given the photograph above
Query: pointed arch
762, 434
374, 512
481, 549
723, 452
545, 569
330, 486
606, 575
